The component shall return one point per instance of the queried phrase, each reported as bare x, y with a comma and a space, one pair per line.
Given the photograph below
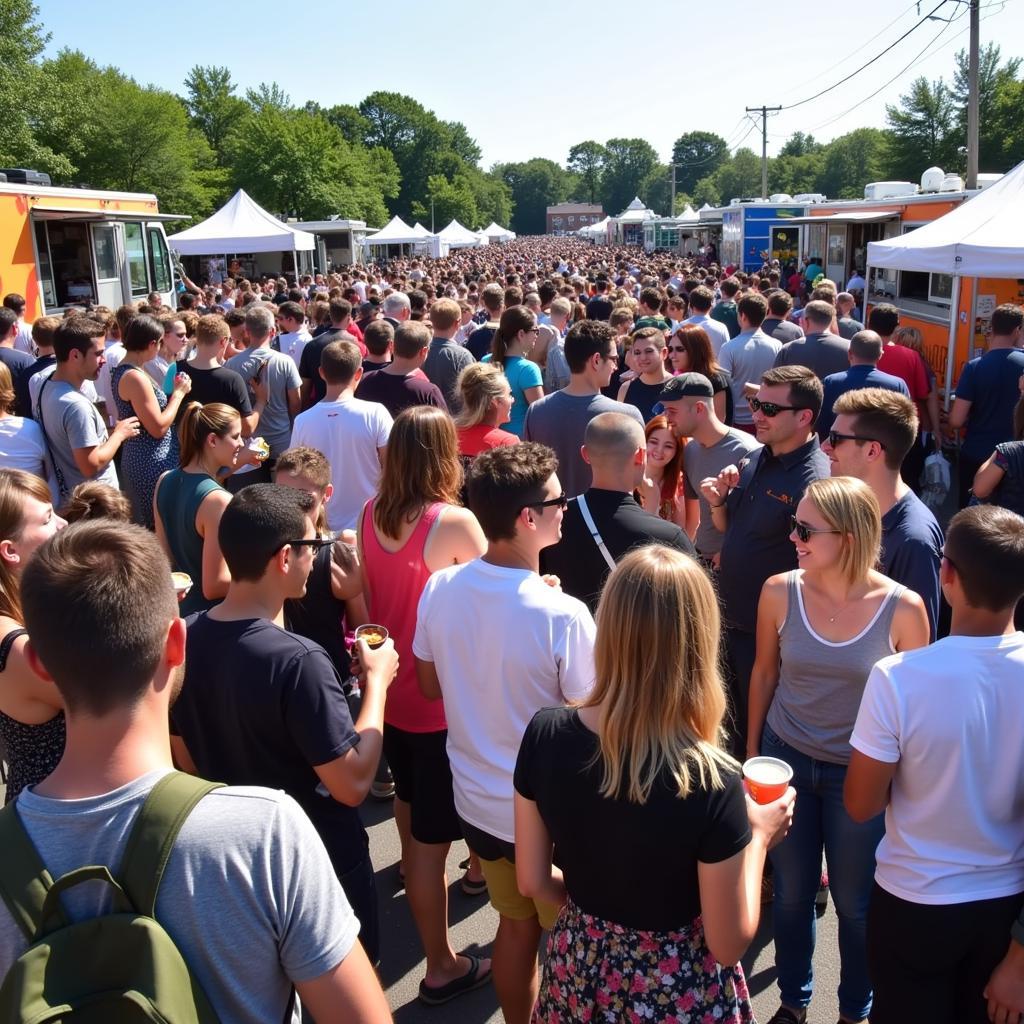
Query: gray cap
686, 385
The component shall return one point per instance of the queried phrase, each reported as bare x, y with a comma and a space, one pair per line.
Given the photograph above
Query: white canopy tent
241, 225
980, 238
395, 232
496, 233
597, 230
421, 230
458, 237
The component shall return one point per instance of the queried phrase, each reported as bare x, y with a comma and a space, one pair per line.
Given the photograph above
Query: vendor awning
77, 213
852, 217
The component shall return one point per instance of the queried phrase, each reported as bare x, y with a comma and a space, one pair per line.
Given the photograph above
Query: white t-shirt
292, 343
348, 432
532, 648
113, 354
716, 331
22, 447
951, 717
23, 342
249, 896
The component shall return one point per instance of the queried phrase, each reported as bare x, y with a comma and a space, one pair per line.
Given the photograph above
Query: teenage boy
248, 895
937, 747
265, 707
533, 649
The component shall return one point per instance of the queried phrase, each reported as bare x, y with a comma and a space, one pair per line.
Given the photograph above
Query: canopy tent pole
295, 266
954, 316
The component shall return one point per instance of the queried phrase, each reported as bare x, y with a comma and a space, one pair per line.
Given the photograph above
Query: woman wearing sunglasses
690, 351
820, 629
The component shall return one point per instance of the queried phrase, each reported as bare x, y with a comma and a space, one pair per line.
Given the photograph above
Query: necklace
839, 611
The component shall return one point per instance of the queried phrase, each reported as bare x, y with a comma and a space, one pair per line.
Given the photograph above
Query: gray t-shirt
700, 462
559, 421
281, 374
69, 421
249, 896
745, 359
445, 361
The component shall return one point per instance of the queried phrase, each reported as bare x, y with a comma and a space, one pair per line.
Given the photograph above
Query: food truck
755, 230
63, 247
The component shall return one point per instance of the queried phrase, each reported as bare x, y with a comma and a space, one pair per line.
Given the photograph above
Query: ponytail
198, 422
513, 320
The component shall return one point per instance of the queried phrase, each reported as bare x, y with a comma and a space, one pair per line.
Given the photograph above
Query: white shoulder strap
592, 527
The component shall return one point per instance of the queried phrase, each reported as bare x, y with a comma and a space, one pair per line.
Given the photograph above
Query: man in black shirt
313, 387
262, 706
212, 381
616, 450
479, 342
600, 306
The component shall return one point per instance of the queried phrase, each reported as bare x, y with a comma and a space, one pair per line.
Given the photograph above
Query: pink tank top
395, 581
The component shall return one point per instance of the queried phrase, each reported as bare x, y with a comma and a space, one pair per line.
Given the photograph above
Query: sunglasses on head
803, 531
772, 409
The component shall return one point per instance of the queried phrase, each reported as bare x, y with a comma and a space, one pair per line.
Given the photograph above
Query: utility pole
972, 99
764, 143
431, 214
672, 205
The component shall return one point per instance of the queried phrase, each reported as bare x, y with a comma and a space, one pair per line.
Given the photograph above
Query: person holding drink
820, 629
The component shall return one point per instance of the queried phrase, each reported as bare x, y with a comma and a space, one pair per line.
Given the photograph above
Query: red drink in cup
767, 778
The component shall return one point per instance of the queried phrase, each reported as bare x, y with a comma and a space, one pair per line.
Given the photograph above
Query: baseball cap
686, 385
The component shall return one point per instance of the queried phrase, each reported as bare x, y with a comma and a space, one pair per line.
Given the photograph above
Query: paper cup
767, 778
182, 583
373, 634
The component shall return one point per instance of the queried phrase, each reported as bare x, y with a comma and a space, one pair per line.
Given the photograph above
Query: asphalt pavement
472, 927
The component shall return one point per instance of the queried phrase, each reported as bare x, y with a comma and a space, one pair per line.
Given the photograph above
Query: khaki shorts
506, 898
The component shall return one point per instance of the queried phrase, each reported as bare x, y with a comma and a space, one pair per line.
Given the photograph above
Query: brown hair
15, 486
805, 388
699, 350
93, 500
211, 329
502, 480
6, 390
313, 465
445, 314
411, 339
985, 545
513, 320
43, 330
884, 416
422, 467
339, 362
198, 422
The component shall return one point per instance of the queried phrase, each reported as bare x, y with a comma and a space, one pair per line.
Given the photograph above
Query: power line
878, 56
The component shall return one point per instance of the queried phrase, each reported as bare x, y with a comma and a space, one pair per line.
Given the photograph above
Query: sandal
472, 979
471, 888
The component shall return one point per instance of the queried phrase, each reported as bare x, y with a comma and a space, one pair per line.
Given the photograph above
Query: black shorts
423, 779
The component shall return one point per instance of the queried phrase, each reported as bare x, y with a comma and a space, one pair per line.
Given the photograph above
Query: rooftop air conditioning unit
889, 189
781, 197
931, 180
809, 197
952, 183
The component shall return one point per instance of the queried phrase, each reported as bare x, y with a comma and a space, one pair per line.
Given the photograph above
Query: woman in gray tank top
820, 630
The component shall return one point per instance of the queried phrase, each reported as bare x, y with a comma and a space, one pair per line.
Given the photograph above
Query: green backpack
121, 967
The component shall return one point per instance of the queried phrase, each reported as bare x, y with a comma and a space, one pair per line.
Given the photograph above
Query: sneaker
383, 785
821, 896
784, 1015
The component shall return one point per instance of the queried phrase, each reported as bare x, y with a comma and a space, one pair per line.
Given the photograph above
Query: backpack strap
24, 880
156, 828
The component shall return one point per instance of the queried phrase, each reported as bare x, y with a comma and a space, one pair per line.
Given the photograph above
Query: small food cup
260, 447
182, 584
373, 634
767, 778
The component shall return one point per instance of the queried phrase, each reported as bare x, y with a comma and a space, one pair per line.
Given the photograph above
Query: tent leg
954, 320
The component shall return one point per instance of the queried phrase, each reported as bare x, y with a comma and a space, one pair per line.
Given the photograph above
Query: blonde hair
479, 385
659, 684
850, 506
422, 466
6, 390
198, 422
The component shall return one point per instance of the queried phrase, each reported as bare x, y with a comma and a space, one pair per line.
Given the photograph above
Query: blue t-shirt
521, 373
989, 383
912, 550
853, 379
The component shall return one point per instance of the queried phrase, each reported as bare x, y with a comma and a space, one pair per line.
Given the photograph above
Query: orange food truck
839, 231
62, 247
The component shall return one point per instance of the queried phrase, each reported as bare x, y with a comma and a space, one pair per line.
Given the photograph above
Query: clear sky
532, 79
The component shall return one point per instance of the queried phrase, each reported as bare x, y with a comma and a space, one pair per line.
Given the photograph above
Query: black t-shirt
19, 363
479, 342
634, 864
22, 393
644, 397
599, 308
217, 385
309, 361
260, 707
399, 391
623, 525
319, 616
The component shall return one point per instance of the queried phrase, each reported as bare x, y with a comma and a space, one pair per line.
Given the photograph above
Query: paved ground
473, 924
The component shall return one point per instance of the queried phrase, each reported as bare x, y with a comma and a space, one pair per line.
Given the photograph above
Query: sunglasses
772, 409
562, 501
316, 543
803, 531
834, 437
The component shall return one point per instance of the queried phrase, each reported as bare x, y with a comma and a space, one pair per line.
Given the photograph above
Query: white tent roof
240, 225
635, 213
688, 216
395, 232
456, 235
420, 230
983, 237
495, 230
598, 228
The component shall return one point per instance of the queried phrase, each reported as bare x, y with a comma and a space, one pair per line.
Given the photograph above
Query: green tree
707, 191
534, 185
656, 189
741, 176
697, 155
346, 118
994, 79
24, 99
586, 161
1007, 123
212, 105
799, 144
851, 161
795, 174
629, 163
920, 129
452, 200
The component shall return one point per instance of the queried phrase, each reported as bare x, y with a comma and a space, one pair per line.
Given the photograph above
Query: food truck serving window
135, 251
159, 260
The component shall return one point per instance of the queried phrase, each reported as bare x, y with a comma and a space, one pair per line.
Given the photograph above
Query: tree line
87, 124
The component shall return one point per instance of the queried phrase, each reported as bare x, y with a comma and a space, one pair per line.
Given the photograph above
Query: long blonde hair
850, 506
480, 384
659, 685
422, 466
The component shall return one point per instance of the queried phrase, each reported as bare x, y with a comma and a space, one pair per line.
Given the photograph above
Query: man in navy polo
865, 350
752, 505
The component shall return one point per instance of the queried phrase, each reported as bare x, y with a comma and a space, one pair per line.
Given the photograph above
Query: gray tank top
821, 681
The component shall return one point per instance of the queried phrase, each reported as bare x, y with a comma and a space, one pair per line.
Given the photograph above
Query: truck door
106, 252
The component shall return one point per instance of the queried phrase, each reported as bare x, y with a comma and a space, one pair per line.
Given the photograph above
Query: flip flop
472, 979
471, 888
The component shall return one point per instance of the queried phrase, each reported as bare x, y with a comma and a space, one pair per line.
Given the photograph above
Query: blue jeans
821, 822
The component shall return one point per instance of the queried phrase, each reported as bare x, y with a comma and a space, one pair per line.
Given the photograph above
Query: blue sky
531, 79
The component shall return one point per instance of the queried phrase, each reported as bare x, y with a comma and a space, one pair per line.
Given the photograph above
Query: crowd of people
541, 542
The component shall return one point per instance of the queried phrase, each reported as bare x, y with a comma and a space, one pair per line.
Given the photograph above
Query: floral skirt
599, 971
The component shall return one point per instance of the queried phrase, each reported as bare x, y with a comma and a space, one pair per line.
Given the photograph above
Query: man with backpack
248, 911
